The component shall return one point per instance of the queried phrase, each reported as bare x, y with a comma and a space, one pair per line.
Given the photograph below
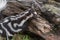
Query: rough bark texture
47, 24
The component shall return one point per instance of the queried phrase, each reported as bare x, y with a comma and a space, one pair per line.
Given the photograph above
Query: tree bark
45, 24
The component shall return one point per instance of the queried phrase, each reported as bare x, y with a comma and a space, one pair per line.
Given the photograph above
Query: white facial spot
35, 12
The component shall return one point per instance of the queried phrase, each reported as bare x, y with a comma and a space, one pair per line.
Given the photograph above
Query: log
52, 13
49, 16
15, 8
40, 27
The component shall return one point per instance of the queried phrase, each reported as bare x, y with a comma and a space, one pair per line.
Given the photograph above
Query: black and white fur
14, 24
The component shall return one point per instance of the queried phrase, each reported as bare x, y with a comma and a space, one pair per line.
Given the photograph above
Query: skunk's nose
3, 4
